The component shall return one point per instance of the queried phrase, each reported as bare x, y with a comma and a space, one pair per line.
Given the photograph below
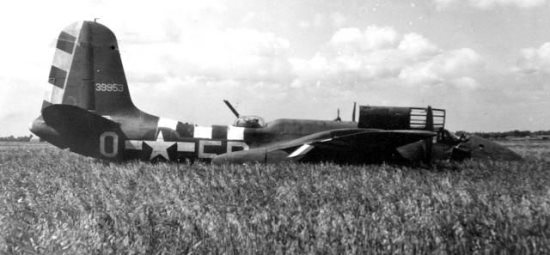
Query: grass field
53, 201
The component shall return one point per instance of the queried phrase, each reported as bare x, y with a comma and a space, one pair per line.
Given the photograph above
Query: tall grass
53, 201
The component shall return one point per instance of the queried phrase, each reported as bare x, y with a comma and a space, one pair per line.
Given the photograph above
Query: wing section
342, 146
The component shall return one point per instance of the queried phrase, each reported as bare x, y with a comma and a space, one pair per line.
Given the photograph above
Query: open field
53, 201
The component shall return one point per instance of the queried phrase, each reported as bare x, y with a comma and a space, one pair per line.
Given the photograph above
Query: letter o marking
108, 147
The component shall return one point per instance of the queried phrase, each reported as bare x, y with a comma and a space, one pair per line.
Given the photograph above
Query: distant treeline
514, 133
12, 138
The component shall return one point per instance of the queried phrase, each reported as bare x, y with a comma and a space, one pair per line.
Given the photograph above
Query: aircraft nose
482, 148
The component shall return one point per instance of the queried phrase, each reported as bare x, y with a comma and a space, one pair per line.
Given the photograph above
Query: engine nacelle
384, 117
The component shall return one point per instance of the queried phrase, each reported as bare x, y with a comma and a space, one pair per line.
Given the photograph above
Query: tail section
87, 71
81, 131
86, 84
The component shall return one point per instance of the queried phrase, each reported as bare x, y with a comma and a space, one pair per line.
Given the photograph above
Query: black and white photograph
275, 127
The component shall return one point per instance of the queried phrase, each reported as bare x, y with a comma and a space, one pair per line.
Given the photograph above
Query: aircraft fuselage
177, 141
89, 110
142, 136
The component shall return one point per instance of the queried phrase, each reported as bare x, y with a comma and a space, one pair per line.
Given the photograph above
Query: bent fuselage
147, 137
89, 110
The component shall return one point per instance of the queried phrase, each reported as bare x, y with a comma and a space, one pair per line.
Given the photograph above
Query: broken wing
343, 145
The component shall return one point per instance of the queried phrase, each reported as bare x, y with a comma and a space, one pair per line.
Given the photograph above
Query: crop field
54, 201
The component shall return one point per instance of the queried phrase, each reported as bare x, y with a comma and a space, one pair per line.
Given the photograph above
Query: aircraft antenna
231, 108
353, 112
429, 141
429, 119
338, 115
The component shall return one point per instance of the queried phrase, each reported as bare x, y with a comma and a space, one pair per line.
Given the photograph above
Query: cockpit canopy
249, 122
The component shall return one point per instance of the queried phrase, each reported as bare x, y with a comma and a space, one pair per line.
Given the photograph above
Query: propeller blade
353, 112
231, 108
338, 115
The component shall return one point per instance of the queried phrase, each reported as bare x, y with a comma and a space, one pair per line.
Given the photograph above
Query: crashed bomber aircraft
89, 111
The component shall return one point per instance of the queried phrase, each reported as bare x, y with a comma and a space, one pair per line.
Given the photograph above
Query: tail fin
87, 71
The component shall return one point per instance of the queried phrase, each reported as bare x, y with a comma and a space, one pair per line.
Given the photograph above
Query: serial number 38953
109, 87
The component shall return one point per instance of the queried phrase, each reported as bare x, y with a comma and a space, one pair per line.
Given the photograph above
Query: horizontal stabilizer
84, 132
75, 117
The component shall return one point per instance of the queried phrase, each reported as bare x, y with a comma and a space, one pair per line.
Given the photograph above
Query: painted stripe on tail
58, 77
66, 42
56, 95
62, 62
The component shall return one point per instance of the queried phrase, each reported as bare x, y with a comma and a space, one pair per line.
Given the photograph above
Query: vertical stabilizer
87, 71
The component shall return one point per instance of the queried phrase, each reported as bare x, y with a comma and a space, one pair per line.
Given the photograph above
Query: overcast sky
486, 61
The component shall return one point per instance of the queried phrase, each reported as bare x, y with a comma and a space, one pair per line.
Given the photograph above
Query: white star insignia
160, 147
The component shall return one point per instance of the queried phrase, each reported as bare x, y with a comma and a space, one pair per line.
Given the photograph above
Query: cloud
354, 57
322, 21
353, 39
453, 66
259, 67
487, 4
20, 100
534, 60
338, 19
233, 54
415, 45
